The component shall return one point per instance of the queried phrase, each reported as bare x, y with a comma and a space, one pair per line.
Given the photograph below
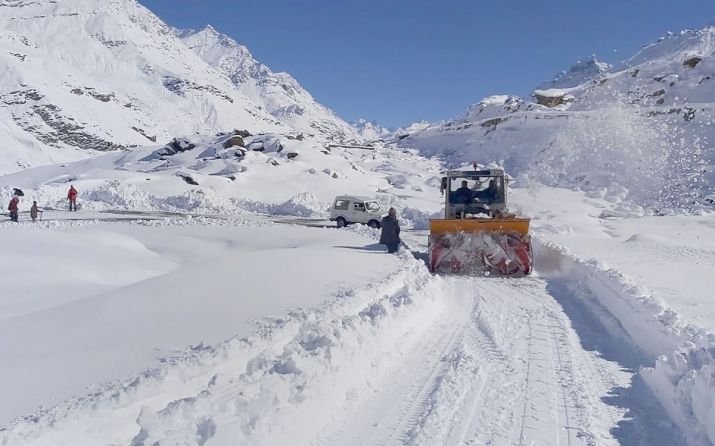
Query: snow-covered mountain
371, 130
81, 76
277, 93
580, 72
594, 126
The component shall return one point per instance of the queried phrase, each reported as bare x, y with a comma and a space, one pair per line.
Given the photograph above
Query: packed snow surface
147, 290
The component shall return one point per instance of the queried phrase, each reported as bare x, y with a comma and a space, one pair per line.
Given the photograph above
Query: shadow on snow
645, 421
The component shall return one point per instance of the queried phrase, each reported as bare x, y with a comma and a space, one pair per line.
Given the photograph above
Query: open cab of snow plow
478, 235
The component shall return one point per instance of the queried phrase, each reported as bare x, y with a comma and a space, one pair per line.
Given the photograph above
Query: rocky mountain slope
579, 73
87, 76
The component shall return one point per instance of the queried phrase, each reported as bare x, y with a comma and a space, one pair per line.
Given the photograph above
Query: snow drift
313, 359
678, 359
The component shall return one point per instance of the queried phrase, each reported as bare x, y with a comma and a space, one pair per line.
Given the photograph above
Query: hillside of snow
581, 72
236, 173
85, 76
642, 130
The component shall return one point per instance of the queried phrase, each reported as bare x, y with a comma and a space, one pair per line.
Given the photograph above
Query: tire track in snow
540, 390
528, 378
389, 417
564, 368
481, 334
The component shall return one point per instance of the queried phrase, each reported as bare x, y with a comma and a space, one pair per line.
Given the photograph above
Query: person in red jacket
12, 207
72, 197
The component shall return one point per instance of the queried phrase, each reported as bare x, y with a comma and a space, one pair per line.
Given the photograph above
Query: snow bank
417, 218
305, 204
684, 383
117, 195
278, 386
683, 376
410, 217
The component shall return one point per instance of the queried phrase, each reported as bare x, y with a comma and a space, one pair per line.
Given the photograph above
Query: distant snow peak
581, 72
277, 93
492, 106
508, 102
414, 127
370, 130
209, 33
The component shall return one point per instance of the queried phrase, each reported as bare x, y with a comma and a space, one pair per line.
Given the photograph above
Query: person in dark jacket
33, 211
463, 195
390, 234
12, 207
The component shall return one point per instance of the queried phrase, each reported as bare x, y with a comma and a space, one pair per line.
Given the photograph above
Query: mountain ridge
277, 92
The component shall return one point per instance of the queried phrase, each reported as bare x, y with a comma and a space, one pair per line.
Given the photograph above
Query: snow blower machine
478, 235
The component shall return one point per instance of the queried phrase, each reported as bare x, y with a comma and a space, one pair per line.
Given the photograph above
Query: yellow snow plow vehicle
478, 235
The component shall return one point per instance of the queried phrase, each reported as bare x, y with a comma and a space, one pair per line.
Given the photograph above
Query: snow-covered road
502, 364
392, 355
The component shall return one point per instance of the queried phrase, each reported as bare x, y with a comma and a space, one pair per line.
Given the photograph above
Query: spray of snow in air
621, 150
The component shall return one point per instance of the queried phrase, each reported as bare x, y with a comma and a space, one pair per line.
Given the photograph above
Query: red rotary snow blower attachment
478, 235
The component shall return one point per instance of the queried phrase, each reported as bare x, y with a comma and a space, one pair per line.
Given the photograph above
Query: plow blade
476, 246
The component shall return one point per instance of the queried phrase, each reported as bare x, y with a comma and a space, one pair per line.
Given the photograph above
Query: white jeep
349, 209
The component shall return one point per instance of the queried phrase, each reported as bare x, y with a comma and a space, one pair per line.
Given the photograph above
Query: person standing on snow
72, 197
390, 234
12, 207
33, 211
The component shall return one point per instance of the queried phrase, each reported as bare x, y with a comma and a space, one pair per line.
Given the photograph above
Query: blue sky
400, 61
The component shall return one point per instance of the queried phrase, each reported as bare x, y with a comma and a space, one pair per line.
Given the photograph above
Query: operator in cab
491, 193
464, 194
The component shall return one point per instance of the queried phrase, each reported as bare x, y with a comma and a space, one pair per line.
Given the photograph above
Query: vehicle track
503, 366
395, 409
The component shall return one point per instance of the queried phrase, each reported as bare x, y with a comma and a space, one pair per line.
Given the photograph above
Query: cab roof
354, 198
476, 173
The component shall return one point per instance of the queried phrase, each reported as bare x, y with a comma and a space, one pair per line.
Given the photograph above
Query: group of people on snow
14, 205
